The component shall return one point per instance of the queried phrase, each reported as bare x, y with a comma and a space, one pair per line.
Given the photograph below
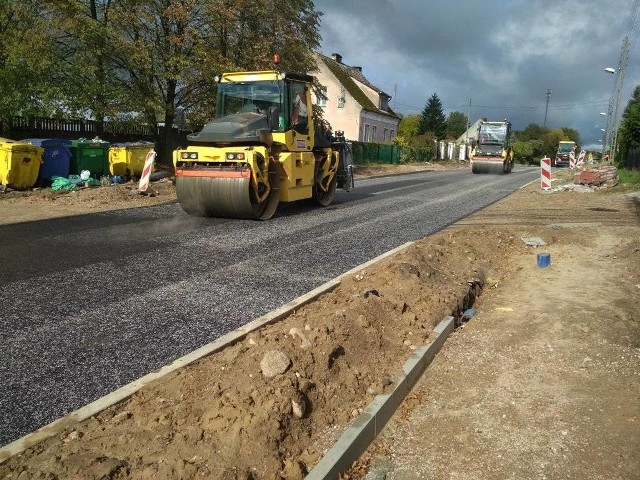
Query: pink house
352, 104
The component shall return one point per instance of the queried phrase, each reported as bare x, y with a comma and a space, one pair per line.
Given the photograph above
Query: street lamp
610, 122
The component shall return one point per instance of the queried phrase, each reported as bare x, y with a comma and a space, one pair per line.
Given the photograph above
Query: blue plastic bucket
544, 260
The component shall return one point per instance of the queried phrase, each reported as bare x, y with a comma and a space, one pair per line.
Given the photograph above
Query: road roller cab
564, 152
260, 150
492, 152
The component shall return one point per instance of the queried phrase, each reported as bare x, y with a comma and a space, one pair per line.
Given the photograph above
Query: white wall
347, 118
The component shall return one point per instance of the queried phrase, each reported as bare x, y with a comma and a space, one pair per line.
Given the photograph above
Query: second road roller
492, 152
260, 150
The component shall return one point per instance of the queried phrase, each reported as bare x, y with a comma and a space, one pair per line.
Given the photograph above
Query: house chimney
337, 57
358, 68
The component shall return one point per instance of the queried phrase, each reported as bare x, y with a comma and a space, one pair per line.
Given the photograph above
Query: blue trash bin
57, 157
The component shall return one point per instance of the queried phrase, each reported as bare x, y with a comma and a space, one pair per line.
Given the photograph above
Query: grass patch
629, 177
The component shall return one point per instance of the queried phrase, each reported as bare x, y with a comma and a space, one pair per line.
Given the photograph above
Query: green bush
416, 154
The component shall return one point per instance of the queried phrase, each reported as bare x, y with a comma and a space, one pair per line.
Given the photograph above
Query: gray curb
352, 444
124, 392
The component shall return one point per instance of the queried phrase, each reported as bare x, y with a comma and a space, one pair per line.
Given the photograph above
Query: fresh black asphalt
90, 303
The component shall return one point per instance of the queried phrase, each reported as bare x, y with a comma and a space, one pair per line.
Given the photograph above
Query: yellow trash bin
128, 158
19, 163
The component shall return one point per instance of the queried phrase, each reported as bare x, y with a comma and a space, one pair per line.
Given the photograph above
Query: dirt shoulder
541, 382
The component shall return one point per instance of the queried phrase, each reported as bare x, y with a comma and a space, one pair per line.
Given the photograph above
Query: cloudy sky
501, 54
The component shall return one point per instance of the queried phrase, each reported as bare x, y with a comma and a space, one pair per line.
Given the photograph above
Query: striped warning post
580, 161
146, 170
572, 160
545, 173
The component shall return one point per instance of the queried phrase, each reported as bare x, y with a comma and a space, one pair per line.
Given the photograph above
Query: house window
386, 135
393, 134
369, 133
321, 101
340, 103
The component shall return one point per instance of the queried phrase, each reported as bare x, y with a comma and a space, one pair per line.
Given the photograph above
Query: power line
565, 106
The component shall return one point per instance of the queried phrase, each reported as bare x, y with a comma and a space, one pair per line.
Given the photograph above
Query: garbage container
128, 158
19, 163
91, 155
56, 158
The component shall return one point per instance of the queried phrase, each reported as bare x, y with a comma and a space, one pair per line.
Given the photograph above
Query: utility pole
395, 94
607, 131
606, 142
468, 120
624, 59
547, 109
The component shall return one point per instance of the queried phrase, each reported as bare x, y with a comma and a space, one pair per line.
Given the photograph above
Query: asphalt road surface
91, 303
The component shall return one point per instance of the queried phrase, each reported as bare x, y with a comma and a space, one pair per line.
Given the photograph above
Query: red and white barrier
580, 161
146, 170
545, 173
572, 160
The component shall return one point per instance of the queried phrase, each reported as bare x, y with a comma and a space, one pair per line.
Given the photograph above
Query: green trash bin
92, 155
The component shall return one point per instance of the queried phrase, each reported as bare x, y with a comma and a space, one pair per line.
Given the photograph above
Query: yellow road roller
260, 150
492, 152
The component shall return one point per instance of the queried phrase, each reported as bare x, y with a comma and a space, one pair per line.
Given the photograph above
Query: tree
153, 59
26, 54
629, 130
84, 34
456, 124
533, 131
547, 139
433, 119
571, 134
409, 125
170, 50
528, 152
550, 142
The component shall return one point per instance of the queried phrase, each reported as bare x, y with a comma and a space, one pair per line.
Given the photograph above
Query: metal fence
19, 128
364, 153
633, 159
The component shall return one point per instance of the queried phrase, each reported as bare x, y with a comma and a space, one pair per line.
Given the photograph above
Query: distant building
352, 104
471, 135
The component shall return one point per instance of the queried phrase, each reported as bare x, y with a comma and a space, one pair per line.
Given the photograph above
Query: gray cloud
501, 54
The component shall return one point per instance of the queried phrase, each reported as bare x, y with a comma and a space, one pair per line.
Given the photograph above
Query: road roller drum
220, 194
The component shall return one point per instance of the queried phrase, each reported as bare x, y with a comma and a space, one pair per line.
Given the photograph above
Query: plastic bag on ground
61, 183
